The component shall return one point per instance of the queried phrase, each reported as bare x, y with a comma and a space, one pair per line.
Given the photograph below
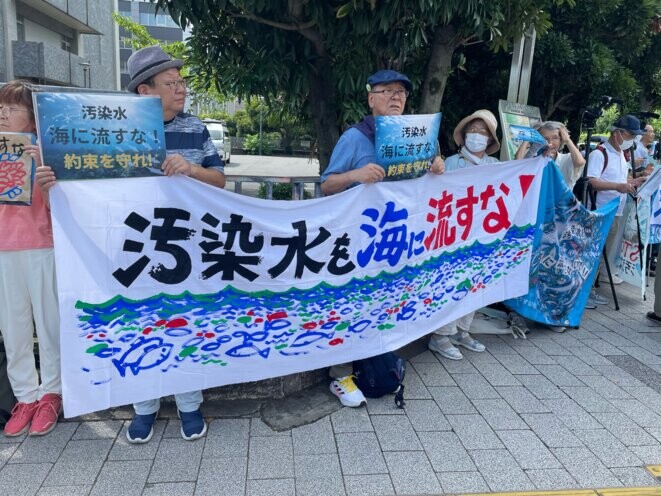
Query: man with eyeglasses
608, 173
354, 162
192, 153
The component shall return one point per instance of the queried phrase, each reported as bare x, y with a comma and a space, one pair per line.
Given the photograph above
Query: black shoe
654, 317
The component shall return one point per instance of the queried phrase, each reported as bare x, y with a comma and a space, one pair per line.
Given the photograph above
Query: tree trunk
322, 106
446, 40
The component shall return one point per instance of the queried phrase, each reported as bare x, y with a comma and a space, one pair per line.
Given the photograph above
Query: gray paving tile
618, 376
395, 433
446, 452
458, 366
481, 358
451, 400
425, 415
318, 475
16, 481
368, 485
650, 455
500, 470
585, 467
433, 374
575, 365
462, 482
227, 438
314, 439
360, 454
655, 432
604, 387
521, 400
608, 448
123, 477
602, 347
64, 491
535, 356
6, 451
103, 429
642, 355
385, 405
424, 357
411, 473
169, 489
516, 364
541, 387
80, 463
351, 420
414, 387
177, 460
271, 487
497, 375
646, 395
270, 457
474, 432
637, 412
528, 450
551, 430
624, 429
474, 386
552, 478
37, 449
226, 476
589, 399
572, 414
558, 375
634, 477
549, 346
589, 356
499, 415
259, 428
13, 440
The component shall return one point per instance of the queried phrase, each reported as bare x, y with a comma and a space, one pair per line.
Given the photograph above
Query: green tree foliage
315, 55
600, 47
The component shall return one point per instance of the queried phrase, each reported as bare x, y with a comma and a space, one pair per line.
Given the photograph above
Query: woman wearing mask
476, 136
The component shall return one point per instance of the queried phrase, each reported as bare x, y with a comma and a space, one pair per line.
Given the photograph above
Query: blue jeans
186, 402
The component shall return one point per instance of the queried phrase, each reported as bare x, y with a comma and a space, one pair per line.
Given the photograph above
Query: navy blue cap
386, 76
628, 123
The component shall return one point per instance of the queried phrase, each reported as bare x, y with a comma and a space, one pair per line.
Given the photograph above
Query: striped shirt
188, 136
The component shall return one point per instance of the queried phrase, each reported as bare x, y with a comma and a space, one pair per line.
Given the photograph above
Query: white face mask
476, 142
626, 144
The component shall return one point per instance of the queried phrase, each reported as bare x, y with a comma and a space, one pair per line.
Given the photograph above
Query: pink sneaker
21, 416
48, 411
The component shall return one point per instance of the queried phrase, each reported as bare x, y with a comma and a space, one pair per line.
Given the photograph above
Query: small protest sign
16, 169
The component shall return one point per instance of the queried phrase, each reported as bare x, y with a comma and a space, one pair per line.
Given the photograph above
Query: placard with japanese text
16, 169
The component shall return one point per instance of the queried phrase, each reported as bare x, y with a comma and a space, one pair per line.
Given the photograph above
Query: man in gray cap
192, 153
353, 162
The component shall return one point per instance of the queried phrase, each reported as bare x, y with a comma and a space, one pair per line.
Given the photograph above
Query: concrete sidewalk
580, 409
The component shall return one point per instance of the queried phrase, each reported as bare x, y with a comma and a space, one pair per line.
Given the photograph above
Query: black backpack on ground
381, 375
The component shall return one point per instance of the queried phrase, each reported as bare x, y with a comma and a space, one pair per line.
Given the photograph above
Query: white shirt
566, 166
615, 172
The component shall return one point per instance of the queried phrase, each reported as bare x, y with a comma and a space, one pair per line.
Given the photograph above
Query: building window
66, 42
125, 42
20, 28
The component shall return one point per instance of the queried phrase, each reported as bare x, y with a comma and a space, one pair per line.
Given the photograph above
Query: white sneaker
443, 346
556, 328
347, 391
590, 304
616, 279
462, 338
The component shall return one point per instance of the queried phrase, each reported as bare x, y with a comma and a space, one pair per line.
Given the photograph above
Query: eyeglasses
173, 85
391, 93
479, 130
7, 111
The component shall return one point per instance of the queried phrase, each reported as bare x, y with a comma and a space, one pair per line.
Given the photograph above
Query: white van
220, 137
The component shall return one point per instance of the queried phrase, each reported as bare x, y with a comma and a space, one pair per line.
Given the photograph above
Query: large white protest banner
169, 285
